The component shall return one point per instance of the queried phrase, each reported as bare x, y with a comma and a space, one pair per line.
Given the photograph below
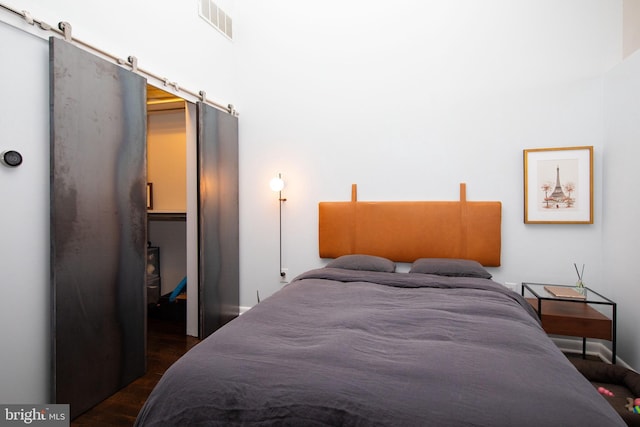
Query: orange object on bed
406, 231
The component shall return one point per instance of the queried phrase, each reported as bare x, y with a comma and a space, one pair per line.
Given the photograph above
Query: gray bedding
357, 348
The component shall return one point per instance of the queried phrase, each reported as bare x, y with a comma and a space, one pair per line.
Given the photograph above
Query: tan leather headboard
406, 231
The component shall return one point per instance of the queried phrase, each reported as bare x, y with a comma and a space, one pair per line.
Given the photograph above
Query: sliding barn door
217, 218
98, 226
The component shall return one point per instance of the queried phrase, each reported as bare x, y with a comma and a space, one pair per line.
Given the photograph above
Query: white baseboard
593, 348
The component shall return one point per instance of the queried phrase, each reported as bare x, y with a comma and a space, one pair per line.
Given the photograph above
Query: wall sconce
277, 184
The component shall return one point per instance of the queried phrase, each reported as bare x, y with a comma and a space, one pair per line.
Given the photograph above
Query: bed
358, 343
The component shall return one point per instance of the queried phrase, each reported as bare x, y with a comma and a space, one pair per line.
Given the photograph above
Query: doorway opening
167, 207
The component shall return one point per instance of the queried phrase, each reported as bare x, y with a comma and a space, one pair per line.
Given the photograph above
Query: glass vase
581, 288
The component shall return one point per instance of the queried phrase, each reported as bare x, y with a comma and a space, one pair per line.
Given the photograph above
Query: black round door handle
11, 158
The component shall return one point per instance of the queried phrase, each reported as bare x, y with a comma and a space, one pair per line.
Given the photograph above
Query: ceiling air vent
210, 12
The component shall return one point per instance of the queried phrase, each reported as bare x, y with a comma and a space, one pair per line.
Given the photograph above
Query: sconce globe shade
276, 184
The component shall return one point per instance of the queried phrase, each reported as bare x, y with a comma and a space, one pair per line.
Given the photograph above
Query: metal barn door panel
218, 218
98, 226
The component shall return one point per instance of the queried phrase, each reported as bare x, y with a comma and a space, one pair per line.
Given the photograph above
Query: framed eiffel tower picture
558, 185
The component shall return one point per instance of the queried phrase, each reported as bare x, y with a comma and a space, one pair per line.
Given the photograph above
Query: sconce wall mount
277, 184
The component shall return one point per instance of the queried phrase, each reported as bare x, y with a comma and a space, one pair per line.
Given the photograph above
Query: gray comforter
350, 348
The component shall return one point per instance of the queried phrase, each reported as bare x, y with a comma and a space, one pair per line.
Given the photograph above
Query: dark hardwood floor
166, 342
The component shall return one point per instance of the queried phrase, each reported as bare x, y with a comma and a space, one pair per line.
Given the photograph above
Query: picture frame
149, 196
558, 185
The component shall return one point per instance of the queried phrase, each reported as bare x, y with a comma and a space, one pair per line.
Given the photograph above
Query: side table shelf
573, 317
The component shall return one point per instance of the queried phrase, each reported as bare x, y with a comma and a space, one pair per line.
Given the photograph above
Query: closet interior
166, 205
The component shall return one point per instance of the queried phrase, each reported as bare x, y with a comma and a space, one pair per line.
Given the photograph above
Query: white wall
620, 202
24, 241
631, 27
167, 37
169, 40
408, 99
405, 98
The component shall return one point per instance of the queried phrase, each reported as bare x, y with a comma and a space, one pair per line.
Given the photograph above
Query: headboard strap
464, 222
